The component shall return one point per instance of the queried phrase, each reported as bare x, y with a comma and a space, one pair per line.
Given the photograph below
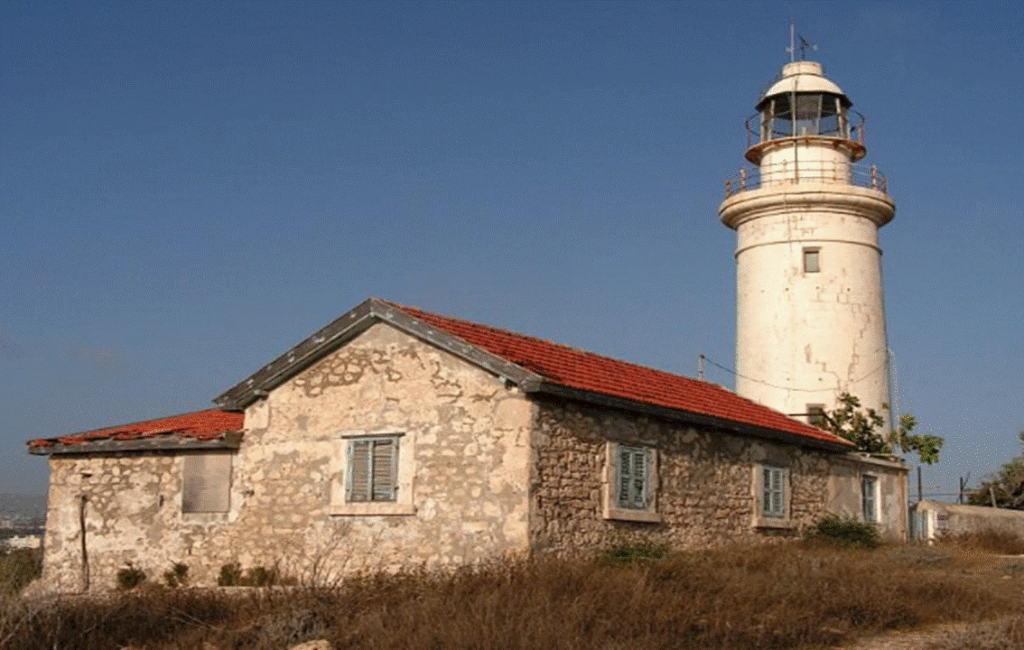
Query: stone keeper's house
395, 436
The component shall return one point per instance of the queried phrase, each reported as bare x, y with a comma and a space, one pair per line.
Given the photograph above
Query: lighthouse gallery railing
788, 173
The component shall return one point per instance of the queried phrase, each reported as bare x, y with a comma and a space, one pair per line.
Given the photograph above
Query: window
373, 473
812, 260
773, 492
372, 469
816, 415
634, 466
868, 491
206, 482
631, 479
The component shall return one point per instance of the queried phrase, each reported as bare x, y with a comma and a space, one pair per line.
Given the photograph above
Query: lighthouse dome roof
803, 77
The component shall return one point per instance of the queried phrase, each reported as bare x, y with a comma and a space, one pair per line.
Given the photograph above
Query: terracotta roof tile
573, 368
201, 425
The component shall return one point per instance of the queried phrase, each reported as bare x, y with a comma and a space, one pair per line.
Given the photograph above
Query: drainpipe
83, 499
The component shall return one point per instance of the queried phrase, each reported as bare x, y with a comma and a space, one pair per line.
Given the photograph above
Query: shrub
177, 575
130, 577
230, 575
262, 577
18, 568
633, 552
845, 532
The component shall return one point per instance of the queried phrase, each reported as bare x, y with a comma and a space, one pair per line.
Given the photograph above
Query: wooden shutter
625, 474
773, 492
384, 466
360, 453
372, 470
634, 476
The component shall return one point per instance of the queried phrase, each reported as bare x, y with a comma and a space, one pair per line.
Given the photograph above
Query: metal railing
762, 128
788, 173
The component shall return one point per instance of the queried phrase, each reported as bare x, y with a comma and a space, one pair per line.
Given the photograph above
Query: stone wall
705, 495
463, 455
707, 492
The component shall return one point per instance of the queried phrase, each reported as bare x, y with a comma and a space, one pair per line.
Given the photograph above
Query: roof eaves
226, 440
603, 399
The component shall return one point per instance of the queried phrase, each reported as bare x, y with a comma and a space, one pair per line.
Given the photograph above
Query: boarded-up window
372, 469
773, 492
206, 482
634, 477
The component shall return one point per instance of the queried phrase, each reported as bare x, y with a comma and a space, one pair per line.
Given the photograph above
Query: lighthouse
810, 312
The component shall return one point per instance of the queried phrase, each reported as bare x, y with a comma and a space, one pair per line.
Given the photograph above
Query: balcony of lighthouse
796, 172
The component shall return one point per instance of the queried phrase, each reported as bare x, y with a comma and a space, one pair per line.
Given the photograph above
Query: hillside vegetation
794, 595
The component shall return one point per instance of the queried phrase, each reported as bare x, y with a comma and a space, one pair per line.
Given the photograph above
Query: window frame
816, 415
615, 507
811, 257
341, 501
772, 515
869, 506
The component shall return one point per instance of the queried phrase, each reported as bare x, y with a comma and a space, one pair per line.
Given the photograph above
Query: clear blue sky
188, 189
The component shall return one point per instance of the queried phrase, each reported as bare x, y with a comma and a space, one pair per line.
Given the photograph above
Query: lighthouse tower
809, 308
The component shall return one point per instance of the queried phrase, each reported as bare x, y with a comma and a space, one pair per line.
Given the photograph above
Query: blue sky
189, 189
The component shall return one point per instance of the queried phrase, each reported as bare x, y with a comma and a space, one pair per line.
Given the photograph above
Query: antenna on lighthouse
804, 45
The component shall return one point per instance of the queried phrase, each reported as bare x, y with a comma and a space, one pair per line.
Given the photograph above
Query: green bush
845, 532
230, 575
177, 575
18, 568
130, 577
633, 552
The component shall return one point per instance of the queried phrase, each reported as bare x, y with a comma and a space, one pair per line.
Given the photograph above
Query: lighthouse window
812, 260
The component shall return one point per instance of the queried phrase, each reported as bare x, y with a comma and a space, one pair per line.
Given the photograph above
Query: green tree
864, 428
1005, 487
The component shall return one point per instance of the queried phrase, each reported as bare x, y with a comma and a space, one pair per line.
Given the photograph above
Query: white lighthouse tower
810, 311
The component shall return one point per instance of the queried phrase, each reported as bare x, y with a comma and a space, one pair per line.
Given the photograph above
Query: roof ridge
520, 335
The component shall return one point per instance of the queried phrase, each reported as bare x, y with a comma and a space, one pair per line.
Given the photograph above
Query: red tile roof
577, 369
201, 425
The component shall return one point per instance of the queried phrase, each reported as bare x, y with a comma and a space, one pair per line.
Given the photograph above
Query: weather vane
804, 45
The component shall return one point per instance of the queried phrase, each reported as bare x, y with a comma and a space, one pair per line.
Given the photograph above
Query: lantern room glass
816, 114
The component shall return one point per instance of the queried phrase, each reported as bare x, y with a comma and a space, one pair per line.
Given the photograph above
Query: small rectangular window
372, 469
816, 415
868, 488
206, 483
634, 476
773, 492
812, 260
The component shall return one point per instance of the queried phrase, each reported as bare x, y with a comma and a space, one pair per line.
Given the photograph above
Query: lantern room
805, 105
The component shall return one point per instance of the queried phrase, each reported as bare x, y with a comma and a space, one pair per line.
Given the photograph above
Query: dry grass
781, 596
1005, 634
988, 540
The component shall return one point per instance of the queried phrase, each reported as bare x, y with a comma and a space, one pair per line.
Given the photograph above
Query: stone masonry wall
464, 467
705, 495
